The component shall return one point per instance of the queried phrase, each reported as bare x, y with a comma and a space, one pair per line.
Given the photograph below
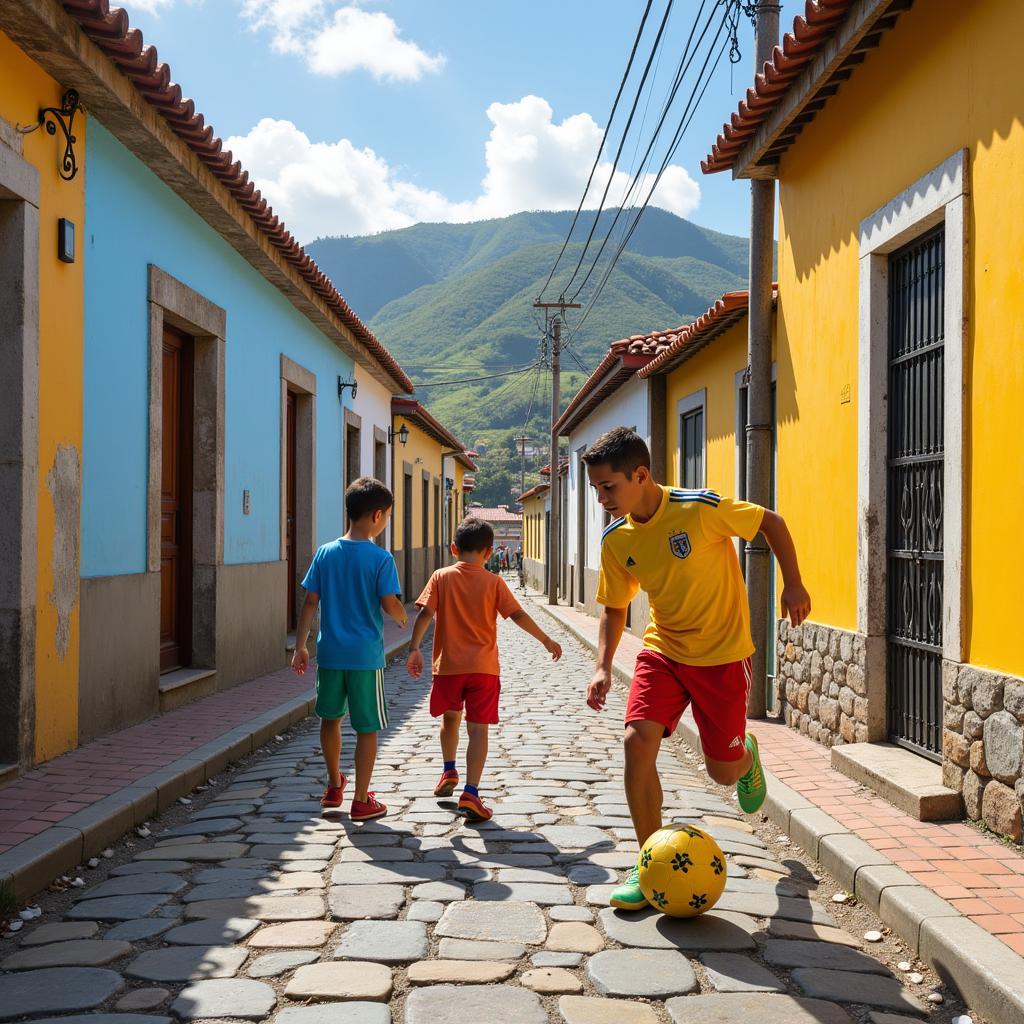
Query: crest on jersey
680, 544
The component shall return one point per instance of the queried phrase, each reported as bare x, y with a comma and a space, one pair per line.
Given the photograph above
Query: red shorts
478, 691
662, 689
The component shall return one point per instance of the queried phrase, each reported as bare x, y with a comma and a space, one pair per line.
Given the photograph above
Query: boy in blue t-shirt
353, 580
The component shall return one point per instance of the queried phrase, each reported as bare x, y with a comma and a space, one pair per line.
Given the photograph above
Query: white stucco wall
373, 405
627, 407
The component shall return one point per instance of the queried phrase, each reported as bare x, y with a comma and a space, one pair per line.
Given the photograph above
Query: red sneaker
333, 794
366, 810
474, 808
447, 784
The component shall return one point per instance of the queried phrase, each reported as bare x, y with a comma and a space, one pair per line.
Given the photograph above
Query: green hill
455, 300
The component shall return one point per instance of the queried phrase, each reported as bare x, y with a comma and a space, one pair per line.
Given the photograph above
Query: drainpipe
759, 388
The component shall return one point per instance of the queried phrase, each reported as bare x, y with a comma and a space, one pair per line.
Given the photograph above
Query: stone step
907, 780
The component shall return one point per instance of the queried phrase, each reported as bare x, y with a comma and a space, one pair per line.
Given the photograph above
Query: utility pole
554, 556
759, 382
521, 441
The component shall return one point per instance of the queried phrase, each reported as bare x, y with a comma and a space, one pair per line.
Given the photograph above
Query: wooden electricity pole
521, 441
554, 556
759, 387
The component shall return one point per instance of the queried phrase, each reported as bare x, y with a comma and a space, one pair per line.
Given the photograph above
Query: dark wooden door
407, 536
176, 504
290, 458
915, 504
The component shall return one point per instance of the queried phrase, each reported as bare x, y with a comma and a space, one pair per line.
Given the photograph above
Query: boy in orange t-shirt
467, 600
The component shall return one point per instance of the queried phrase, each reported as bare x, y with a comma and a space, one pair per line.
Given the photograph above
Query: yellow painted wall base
24, 89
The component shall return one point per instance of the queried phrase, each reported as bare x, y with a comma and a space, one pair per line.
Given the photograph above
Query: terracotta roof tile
799, 48
412, 410
624, 358
108, 28
716, 319
534, 492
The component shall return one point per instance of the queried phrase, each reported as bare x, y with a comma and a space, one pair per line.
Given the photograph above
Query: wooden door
290, 458
176, 503
407, 536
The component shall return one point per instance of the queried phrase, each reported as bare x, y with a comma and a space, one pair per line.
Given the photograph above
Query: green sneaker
629, 895
751, 788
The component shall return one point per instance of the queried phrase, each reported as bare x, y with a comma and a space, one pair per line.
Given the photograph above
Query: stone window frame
940, 196
173, 302
19, 453
301, 382
380, 438
687, 404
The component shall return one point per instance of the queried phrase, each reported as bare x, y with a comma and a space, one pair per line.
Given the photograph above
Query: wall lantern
342, 384
402, 435
52, 118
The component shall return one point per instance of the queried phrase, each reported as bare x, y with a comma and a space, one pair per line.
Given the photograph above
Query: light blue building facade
214, 454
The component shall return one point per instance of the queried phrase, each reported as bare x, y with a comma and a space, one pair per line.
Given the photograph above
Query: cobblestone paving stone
260, 906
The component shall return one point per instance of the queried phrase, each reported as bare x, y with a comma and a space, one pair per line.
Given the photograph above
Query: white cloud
154, 7
147, 6
340, 41
533, 163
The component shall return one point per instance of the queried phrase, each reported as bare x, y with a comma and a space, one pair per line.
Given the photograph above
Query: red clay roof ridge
124, 46
799, 47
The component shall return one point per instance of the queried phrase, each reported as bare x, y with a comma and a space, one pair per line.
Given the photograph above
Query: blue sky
359, 117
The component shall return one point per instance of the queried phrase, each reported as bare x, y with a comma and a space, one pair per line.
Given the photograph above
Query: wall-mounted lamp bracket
63, 117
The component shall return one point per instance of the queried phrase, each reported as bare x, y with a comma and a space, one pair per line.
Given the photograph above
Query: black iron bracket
62, 117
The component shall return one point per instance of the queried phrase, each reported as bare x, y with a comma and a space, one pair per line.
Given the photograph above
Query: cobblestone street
253, 904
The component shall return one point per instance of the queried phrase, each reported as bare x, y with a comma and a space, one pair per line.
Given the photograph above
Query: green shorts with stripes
359, 691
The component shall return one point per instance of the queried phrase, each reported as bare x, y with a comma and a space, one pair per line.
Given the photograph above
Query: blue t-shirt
351, 576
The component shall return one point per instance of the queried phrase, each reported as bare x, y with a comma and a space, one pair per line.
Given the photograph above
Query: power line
687, 118
684, 65
473, 380
604, 139
622, 143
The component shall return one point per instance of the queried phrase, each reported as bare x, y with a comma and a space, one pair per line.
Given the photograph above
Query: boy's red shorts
662, 689
477, 691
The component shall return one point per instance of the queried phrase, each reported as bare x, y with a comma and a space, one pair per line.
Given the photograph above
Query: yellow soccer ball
682, 871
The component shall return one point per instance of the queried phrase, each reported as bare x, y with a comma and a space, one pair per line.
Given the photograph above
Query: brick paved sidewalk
981, 877
46, 796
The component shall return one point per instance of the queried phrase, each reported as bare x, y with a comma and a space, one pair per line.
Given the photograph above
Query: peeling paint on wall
64, 484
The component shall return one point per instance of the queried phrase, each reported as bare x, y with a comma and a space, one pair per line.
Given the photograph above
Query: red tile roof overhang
411, 410
728, 310
534, 492
123, 46
623, 359
826, 44
466, 461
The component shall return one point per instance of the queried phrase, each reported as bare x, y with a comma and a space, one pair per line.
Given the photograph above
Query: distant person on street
467, 601
354, 581
677, 546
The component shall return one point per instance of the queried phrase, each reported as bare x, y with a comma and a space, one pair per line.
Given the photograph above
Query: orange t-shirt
466, 600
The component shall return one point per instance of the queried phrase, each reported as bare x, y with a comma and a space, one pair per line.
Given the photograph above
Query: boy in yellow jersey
677, 545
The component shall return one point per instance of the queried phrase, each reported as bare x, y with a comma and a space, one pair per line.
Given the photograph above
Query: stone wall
983, 745
822, 682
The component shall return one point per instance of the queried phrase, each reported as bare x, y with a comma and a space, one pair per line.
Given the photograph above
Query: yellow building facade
41, 399
429, 454
535, 507
899, 376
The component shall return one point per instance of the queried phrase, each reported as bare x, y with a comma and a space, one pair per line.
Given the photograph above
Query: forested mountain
455, 300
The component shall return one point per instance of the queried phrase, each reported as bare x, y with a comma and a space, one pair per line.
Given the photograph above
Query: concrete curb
30, 866
986, 972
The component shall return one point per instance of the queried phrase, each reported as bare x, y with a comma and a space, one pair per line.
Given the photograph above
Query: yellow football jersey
684, 558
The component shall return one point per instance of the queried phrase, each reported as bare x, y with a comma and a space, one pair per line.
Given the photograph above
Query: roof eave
410, 409
85, 45
620, 372
758, 155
